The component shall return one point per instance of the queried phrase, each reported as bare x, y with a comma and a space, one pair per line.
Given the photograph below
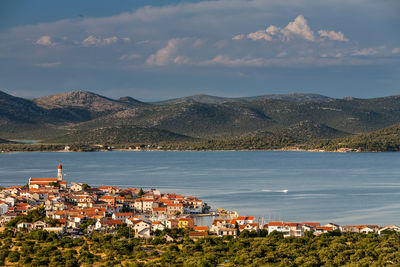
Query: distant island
51, 222
85, 121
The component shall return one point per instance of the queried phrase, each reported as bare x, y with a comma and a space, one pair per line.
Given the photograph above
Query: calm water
344, 188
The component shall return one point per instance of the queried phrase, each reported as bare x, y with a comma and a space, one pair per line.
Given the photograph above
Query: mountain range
80, 115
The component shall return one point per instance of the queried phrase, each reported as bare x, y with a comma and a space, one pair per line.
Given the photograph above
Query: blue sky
154, 50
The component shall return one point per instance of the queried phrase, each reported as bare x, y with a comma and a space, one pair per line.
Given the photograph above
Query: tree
85, 187
13, 256
141, 193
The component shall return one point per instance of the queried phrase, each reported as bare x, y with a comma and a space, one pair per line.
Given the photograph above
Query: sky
161, 49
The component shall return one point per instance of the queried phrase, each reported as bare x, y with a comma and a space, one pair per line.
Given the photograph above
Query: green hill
305, 116
119, 135
387, 139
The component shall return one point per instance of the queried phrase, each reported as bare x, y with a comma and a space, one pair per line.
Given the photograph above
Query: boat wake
275, 191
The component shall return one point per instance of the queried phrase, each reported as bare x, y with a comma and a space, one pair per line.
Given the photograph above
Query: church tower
59, 175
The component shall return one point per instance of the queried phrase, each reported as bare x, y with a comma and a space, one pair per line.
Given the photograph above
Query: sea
343, 188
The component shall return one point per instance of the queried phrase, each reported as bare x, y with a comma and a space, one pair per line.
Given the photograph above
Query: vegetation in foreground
40, 248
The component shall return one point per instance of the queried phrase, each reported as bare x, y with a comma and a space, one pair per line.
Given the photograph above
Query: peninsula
135, 226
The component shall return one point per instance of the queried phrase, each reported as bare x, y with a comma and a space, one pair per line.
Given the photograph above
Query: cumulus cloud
332, 35
165, 55
95, 41
296, 28
91, 40
300, 28
169, 53
111, 40
238, 37
396, 50
45, 40
258, 35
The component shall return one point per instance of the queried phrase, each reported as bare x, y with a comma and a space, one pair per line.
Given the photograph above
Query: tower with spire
60, 174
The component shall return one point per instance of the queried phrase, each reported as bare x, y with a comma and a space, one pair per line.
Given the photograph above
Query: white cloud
91, 40
94, 41
164, 55
198, 43
181, 60
332, 35
272, 30
49, 65
238, 37
130, 57
168, 54
45, 40
323, 60
396, 50
366, 51
226, 61
300, 28
111, 40
258, 35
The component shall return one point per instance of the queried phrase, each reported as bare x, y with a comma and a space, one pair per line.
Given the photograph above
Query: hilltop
78, 116
209, 99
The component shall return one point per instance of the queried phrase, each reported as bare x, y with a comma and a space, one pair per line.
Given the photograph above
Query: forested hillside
301, 120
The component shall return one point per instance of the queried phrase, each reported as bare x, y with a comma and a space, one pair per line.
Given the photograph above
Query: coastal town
77, 209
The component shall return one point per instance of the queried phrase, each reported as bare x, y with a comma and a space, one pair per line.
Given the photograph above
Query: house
174, 208
172, 223
76, 187
145, 205
110, 200
219, 224
227, 232
39, 225
24, 225
160, 211
142, 229
350, 228
122, 216
333, 225
287, 228
366, 229
3, 208
197, 235
185, 223
323, 229
242, 220
109, 189
249, 227
6, 217
389, 228
107, 223
200, 228
157, 225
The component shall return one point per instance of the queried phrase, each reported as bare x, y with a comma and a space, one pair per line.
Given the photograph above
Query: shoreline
196, 150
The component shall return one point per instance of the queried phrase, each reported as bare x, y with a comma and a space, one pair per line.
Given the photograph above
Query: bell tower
59, 174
